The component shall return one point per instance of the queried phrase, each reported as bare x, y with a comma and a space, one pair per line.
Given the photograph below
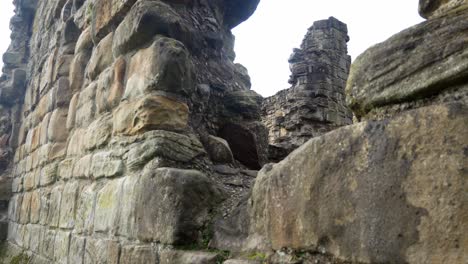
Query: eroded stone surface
438, 8
414, 64
315, 104
387, 186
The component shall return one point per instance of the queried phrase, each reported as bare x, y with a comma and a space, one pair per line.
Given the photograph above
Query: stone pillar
315, 104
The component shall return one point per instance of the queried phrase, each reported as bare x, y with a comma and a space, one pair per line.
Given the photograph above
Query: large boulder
419, 62
391, 191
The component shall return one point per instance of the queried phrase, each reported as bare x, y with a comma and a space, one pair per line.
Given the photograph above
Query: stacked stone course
112, 112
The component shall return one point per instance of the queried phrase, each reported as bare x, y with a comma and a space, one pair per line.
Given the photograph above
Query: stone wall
128, 135
315, 104
124, 126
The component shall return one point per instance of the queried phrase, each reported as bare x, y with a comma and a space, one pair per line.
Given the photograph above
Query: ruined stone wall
124, 125
389, 189
315, 104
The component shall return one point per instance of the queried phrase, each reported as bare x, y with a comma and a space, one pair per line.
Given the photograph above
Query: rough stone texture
129, 135
104, 105
439, 8
315, 104
184, 257
385, 191
418, 63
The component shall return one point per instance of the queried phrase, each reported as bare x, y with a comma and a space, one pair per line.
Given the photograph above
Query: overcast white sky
265, 41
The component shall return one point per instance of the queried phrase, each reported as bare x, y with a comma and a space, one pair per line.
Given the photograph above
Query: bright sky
265, 41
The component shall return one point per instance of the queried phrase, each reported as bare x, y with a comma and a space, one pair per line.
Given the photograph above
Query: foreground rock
388, 191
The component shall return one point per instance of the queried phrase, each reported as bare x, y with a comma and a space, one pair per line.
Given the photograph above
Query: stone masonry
124, 125
128, 136
315, 104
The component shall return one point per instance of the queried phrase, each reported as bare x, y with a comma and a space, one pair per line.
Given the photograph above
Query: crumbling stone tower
315, 103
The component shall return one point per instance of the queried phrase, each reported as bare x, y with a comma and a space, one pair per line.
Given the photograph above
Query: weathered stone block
386, 191
62, 242
62, 66
85, 114
35, 138
48, 174
219, 150
99, 132
77, 71
47, 72
107, 206
241, 261
65, 169
164, 66
35, 240
57, 132
150, 113
25, 208
100, 251
45, 204
44, 126
28, 181
117, 89
14, 208
85, 210
438, 8
144, 21
17, 185
85, 42
82, 167
14, 58
101, 57
77, 249
137, 255
181, 199
46, 105
72, 111
107, 14
105, 164
246, 103
127, 225
410, 65
48, 243
62, 93
68, 205
76, 142
164, 144
35, 207
102, 92
188, 257
56, 151
53, 215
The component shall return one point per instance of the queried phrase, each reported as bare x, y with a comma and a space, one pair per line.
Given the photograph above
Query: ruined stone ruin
315, 104
128, 135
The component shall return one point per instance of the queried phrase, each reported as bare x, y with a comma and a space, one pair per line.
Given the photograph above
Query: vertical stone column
315, 104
